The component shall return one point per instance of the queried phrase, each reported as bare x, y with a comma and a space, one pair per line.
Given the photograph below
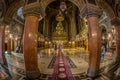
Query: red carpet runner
62, 69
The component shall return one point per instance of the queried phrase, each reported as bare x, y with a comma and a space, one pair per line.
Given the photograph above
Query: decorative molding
32, 9
78, 3
45, 3
11, 10
106, 7
90, 10
7, 20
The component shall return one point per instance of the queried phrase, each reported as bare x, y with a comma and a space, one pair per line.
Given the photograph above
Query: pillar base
32, 74
92, 73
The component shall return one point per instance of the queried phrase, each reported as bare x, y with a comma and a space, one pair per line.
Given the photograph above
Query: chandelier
59, 27
63, 6
59, 17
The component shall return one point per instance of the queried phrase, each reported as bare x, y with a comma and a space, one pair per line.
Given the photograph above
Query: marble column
91, 12
117, 43
73, 23
116, 23
30, 46
2, 45
94, 46
32, 16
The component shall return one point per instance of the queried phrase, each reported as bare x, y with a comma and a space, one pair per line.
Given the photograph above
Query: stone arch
11, 10
104, 34
102, 4
79, 4
2, 8
45, 3
103, 26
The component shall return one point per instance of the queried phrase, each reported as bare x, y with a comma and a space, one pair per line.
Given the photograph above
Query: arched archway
104, 34
79, 3
102, 4
2, 8
11, 10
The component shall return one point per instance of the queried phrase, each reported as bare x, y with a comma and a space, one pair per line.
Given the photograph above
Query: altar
59, 36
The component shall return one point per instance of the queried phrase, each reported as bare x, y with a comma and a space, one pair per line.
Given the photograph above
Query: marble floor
78, 60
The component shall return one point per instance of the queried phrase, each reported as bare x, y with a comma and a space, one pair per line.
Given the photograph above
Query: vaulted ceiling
113, 4
112, 7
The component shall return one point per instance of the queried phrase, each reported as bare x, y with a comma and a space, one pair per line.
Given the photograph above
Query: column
18, 46
73, 23
117, 43
32, 15
86, 45
2, 45
116, 23
91, 12
9, 45
21, 46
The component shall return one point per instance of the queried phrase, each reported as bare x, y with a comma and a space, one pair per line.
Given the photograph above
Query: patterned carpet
108, 72
52, 63
62, 69
70, 62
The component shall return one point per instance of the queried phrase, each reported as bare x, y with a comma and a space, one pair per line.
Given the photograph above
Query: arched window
19, 12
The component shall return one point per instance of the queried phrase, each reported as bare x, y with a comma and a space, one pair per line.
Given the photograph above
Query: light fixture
60, 17
63, 6
59, 27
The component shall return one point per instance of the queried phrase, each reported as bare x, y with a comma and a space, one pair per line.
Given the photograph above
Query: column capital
115, 22
33, 9
90, 10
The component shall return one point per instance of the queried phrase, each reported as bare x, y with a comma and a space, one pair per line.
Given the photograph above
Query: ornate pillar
73, 25
32, 15
2, 45
46, 27
116, 23
91, 12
